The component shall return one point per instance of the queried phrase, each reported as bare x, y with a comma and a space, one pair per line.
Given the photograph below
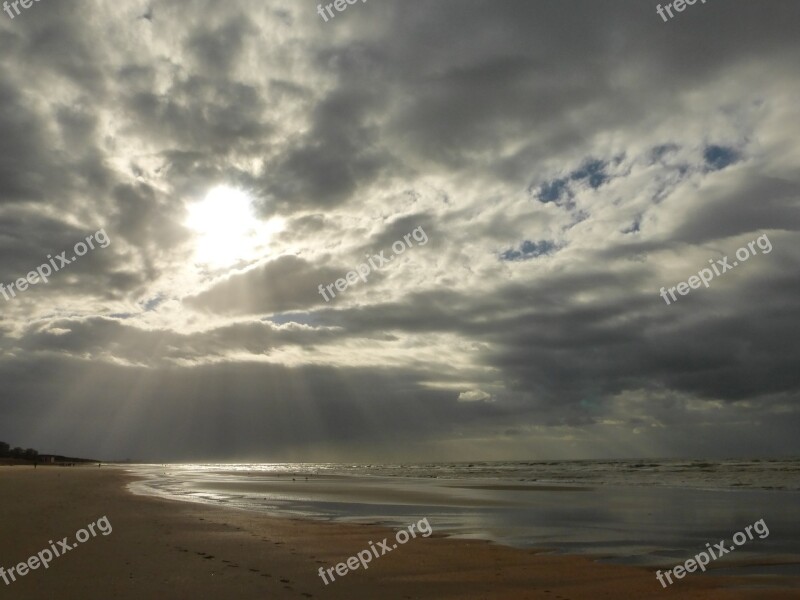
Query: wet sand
167, 549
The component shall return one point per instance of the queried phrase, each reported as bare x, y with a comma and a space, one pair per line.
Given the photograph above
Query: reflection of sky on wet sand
639, 525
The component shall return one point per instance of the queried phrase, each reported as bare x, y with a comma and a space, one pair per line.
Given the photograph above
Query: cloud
474, 396
565, 161
284, 284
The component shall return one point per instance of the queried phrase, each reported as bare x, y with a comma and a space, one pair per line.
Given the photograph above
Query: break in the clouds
566, 160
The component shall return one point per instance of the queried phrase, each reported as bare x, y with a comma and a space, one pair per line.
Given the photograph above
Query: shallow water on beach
771, 474
636, 512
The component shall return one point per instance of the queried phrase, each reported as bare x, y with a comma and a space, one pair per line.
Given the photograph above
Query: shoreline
637, 525
187, 550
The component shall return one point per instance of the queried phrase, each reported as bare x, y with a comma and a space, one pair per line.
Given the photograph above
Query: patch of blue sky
528, 250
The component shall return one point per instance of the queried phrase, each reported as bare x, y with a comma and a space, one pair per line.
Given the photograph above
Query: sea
643, 512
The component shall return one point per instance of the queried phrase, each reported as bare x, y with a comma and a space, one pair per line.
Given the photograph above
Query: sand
175, 550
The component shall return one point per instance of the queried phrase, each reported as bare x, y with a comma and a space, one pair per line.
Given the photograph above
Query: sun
226, 228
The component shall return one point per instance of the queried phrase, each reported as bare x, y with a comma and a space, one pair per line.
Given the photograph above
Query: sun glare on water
226, 228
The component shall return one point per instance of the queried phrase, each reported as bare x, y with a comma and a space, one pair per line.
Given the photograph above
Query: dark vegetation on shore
17, 455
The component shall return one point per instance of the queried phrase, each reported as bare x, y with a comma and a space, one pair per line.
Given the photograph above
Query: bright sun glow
227, 229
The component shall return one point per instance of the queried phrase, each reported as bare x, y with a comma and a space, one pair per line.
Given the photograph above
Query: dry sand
161, 549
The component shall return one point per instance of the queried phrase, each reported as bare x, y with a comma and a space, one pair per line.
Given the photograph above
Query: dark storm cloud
758, 203
268, 417
217, 49
97, 336
29, 240
198, 113
340, 151
514, 68
22, 146
284, 284
716, 358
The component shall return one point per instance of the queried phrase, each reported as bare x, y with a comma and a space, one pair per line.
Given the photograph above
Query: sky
551, 165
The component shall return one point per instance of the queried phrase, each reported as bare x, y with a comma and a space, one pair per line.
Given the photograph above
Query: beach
564, 367
161, 548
